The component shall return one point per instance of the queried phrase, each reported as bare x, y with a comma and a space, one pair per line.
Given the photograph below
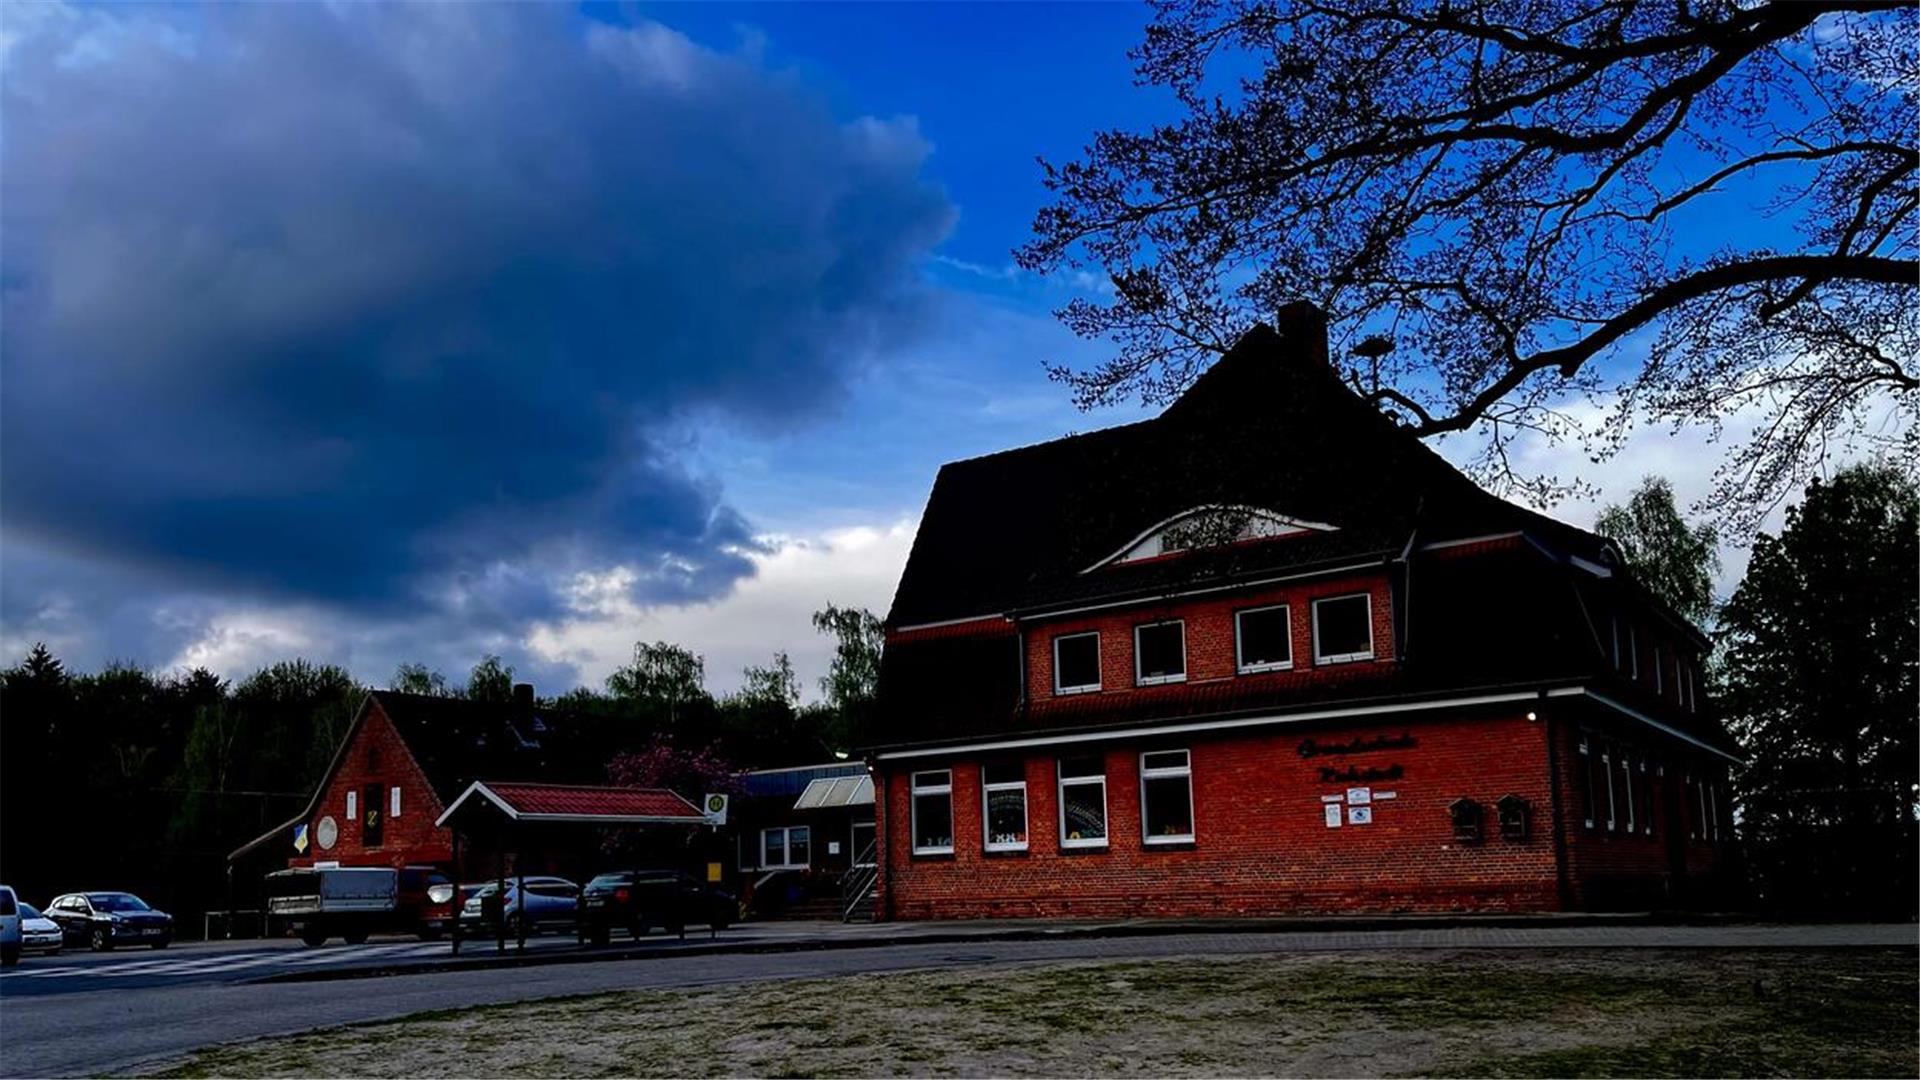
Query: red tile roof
579, 800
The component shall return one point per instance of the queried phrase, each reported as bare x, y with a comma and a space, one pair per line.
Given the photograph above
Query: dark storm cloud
398, 305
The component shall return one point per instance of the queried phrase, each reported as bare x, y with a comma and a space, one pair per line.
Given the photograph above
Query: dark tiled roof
1267, 426
595, 801
457, 741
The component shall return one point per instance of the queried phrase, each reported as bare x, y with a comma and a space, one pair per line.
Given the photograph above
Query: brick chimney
522, 701
1303, 326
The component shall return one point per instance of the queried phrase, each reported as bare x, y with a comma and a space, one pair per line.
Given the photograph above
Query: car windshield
28, 911
117, 901
608, 881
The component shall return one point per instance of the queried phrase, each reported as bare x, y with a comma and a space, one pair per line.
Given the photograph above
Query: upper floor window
933, 812
1263, 639
1076, 663
1343, 629
1160, 653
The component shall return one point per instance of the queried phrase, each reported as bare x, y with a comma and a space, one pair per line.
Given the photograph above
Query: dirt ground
1504, 1013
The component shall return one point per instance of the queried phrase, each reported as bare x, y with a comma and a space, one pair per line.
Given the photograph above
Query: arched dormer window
1208, 526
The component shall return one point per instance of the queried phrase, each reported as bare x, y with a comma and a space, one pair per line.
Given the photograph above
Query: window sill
1184, 843
1160, 680
1262, 669
1084, 849
1075, 691
1344, 658
936, 854
1004, 853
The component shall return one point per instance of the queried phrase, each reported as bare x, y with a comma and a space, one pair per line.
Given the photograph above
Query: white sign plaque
1359, 815
1359, 796
1333, 815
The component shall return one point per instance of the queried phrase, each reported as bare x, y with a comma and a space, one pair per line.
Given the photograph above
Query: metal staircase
857, 888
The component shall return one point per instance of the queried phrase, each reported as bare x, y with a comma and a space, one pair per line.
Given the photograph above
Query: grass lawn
1583, 1012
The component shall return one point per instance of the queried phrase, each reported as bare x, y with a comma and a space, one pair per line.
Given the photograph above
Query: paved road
119, 1022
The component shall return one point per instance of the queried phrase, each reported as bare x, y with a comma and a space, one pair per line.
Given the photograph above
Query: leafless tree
1683, 212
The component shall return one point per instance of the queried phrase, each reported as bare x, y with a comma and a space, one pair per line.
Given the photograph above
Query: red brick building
403, 761
1268, 653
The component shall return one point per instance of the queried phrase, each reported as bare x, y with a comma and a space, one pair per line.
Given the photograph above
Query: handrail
858, 882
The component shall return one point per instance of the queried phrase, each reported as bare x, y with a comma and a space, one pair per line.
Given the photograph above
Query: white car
9, 926
39, 934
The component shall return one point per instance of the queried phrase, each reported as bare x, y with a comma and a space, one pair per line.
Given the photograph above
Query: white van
9, 926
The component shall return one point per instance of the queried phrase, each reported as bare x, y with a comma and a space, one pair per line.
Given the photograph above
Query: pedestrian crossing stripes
187, 966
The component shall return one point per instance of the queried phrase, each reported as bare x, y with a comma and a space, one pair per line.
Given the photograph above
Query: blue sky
399, 333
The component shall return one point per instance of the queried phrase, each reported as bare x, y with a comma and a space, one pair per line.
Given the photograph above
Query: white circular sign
326, 832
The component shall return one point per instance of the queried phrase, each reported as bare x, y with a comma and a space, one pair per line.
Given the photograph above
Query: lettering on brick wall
1359, 744
1356, 774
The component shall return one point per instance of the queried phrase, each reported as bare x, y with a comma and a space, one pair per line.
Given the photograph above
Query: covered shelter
503, 829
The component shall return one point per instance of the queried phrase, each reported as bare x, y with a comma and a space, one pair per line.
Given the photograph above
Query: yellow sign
713, 871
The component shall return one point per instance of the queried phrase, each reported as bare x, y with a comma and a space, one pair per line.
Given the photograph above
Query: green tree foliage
1819, 684
853, 676
663, 675
420, 679
1675, 561
490, 681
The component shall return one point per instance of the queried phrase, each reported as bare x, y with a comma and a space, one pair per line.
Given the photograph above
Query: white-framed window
1263, 639
1076, 663
1166, 797
1591, 775
1160, 653
1083, 802
1633, 651
353, 806
1659, 671
1343, 629
1003, 806
789, 848
393, 801
1615, 620
933, 812
1606, 766
1626, 779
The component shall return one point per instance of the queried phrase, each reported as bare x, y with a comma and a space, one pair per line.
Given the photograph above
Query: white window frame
987, 791
1140, 679
915, 789
1615, 619
1091, 688
1586, 778
353, 805
393, 802
1633, 651
1659, 672
786, 848
1166, 772
1060, 800
1606, 766
1626, 769
1239, 661
1342, 658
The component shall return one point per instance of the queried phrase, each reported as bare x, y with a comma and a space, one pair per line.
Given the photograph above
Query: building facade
1267, 653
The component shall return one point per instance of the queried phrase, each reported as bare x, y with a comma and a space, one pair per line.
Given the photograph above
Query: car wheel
354, 937
600, 935
720, 922
100, 941
314, 938
9, 955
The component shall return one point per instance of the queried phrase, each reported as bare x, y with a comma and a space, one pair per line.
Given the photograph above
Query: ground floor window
786, 849
1004, 791
933, 812
1083, 802
1166, 796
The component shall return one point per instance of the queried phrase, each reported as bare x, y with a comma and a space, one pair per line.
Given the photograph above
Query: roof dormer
1206, 527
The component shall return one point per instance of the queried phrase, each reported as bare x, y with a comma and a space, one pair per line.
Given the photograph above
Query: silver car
550, 903
39, 934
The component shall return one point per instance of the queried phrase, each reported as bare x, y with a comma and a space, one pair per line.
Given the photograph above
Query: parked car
39, 934
638, 900
103, 920
549, 903
9, 926
355, 902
